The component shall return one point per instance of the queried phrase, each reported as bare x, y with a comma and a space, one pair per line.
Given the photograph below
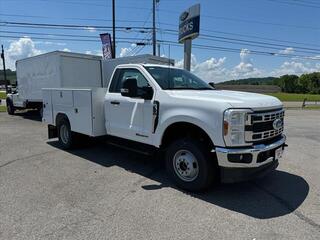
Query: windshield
173, 78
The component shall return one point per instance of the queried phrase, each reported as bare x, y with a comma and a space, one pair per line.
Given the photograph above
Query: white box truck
54, 69
207, 135
62, 70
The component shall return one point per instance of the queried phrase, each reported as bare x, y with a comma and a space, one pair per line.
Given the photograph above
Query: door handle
115, 102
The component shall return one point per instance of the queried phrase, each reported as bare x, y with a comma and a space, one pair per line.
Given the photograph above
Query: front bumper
262, 158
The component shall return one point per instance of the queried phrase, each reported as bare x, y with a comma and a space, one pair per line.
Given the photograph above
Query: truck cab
207, 135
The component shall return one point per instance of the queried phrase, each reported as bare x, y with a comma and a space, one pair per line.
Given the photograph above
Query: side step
137, 147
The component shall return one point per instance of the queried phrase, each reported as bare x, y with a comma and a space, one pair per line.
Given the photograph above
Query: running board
140, 148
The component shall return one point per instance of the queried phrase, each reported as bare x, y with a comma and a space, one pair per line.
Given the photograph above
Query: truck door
129, 118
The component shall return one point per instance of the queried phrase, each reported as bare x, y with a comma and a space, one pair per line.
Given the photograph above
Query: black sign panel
189, 28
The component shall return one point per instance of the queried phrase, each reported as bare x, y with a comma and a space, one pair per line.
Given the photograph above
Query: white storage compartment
83, 107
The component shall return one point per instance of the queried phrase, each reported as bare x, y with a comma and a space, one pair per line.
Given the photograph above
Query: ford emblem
184, 16
277, 124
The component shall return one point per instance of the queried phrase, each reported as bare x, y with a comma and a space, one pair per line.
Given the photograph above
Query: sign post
187, 54
4, 69
189, 26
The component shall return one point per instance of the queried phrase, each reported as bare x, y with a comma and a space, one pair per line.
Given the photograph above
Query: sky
242, 38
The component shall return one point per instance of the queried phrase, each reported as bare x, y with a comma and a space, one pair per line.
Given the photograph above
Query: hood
235, 98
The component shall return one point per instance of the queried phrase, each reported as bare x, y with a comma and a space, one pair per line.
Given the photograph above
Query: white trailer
65, 70
55, 70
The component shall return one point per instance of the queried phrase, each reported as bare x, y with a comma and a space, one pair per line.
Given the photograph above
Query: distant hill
252, 81
11, 76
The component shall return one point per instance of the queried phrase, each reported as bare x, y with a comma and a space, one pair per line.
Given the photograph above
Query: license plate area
274, 154
278, 153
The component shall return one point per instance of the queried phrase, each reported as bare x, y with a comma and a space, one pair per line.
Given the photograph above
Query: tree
289, 83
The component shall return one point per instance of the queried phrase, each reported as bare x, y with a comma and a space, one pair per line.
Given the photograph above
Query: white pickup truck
207, 135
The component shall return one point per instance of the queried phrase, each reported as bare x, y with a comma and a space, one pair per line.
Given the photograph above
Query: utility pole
159, 49
113, 29
154, 41
4, 68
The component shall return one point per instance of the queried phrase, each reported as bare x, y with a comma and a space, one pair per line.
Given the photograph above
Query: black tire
65, 135
207, 170
40, 112
10, 107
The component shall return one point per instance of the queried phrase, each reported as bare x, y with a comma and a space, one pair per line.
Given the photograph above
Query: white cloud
317, 57
127, 50
50, 43
244, 55
214, 69
66, 50
90, 29
288, 50
94, 52
245, 68
22, 48
124, 52
295, 67
210, 70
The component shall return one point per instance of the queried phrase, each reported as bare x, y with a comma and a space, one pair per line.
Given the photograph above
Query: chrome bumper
222, 154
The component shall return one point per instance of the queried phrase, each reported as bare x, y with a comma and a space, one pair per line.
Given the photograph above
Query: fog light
240, 158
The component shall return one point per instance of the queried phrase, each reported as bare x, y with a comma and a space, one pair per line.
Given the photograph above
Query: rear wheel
189, 164
65, 135
40, 111
10, 107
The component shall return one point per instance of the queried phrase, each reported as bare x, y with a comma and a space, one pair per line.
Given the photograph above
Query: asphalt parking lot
103, 192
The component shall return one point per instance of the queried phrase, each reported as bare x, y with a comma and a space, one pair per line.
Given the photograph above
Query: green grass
3, 95
3, 108
295, 97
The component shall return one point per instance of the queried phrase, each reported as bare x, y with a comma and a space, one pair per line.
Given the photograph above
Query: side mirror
130, 88
147, 93
212, 84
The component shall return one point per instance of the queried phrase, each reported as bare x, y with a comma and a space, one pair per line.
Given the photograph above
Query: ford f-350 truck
206, 134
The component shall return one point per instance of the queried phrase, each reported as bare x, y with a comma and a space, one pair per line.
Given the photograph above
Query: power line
136, 35
171, 43
70, 18
69, 25
144, 22
297, 3
255, 43
237, 50
249, 21
63, 35
64, 39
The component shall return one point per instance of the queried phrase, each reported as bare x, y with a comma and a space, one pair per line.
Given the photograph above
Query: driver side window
122, 74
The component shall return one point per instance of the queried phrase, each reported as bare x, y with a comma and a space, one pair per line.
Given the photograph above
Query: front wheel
188, 163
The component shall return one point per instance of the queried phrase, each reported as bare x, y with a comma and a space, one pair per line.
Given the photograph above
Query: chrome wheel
64, 134
185, 165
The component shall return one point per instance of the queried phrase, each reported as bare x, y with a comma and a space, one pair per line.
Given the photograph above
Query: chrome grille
259, 125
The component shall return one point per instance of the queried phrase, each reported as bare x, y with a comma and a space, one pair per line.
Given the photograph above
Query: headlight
234, 126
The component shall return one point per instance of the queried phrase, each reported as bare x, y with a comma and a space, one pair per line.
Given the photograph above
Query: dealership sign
189, 23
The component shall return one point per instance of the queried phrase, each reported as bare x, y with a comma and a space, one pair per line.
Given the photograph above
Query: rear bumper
241, 164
